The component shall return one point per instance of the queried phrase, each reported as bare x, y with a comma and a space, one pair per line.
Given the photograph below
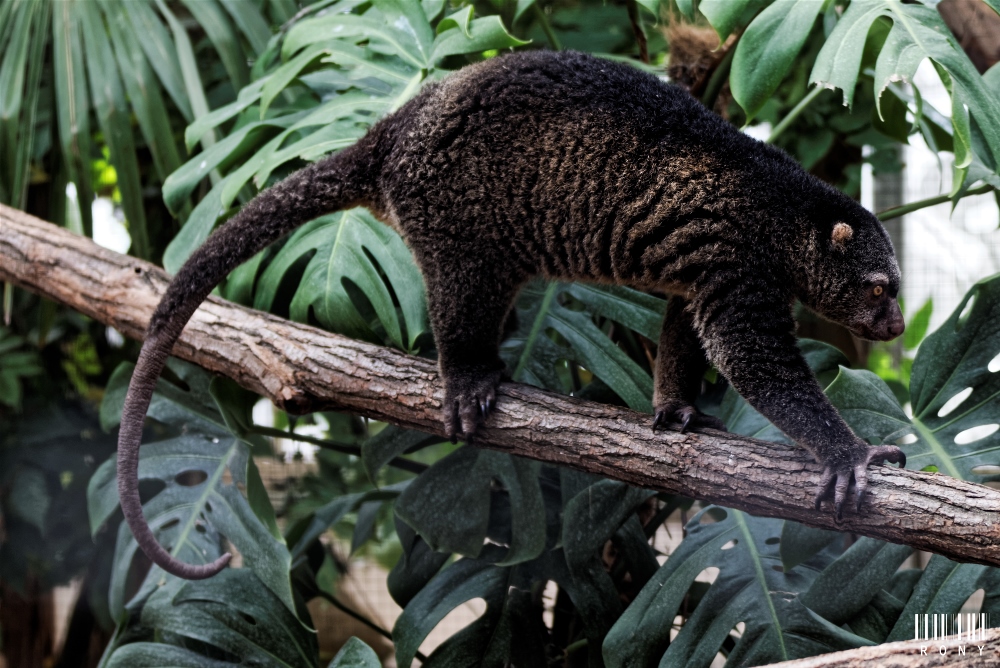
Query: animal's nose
896, 327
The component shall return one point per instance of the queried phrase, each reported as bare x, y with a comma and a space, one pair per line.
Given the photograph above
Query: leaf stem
718, 78
794, 113
543, 21
396, 462
897, 211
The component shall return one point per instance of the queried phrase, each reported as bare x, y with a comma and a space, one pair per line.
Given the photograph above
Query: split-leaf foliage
285, 88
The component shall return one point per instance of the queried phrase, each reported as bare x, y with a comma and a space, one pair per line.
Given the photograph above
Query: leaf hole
954, 402
713, 515
976, 433
172, 523
740, 629
994, 364
907, 440
986, 469
963, 317
248, 618
773, 540
730, 545
975, 601
150, 488
208, 506
708, 575
191, 478
200, 528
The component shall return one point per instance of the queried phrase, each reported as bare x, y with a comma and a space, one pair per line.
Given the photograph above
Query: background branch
908, 654
304, 369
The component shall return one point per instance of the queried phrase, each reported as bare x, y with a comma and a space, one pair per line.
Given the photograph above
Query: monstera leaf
955, 390
543, 309
450, 504
341, 70
751, 588
918, 32
234, 612
194, 504
352, 252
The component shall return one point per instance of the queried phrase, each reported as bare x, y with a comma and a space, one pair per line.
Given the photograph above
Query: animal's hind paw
837, 475
469, 397
678, 411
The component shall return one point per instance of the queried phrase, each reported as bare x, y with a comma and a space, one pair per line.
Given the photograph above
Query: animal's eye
877, 291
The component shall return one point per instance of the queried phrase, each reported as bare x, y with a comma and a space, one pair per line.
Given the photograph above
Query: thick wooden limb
949, 653
304, 369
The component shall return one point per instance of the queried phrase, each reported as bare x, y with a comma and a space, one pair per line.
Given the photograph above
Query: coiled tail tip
192, 572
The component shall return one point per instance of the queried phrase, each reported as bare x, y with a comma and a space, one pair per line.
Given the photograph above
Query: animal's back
556, 162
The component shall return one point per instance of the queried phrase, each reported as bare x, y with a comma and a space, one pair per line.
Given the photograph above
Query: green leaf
726, 16
113, 115
800, 543
751, 587
590, 519
918, 32
178, 514
219, 30
355, 654
28, 497
464, 580
158, 655
161, 53
353, 249
767, 50
316, 523
942, 589
388, 444
183, 396
483, 34
954, 387
246, 97
236, 612
199, 225
251, 23
329, 29
193, 89
449, 504
73, 104
408, 17
143, 92
868, 405
533, 355
917, 324
853, 580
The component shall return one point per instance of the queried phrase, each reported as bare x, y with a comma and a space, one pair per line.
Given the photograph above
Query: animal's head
853, 277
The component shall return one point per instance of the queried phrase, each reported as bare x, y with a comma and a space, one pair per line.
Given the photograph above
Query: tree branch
304, 369
911, 654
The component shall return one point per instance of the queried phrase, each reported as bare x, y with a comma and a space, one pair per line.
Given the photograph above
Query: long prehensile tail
329, 185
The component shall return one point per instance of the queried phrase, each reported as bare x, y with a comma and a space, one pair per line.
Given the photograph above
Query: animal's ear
842, 233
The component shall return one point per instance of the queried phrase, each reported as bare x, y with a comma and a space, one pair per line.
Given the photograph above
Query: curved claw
825, 483
686, 420
839, 477
659, 420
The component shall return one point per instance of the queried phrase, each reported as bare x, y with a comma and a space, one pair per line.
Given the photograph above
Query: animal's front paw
837, 475
678, 411
469, 396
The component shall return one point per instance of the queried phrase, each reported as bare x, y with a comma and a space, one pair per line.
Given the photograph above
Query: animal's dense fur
572, 167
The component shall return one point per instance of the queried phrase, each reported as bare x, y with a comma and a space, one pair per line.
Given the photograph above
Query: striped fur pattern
571, 167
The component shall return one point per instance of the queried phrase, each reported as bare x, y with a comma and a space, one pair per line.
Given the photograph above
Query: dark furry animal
572, 167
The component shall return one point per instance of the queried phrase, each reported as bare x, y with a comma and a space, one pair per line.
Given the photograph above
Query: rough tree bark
304, 369
911, 654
